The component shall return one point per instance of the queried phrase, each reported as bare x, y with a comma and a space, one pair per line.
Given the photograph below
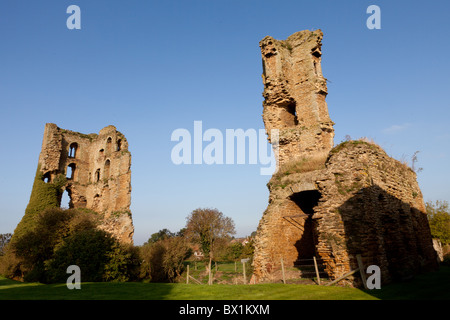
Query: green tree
160, 235
439, 220
206, 227
235, 250
248, 249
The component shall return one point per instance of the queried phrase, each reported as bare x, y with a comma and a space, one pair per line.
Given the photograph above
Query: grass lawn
434, 285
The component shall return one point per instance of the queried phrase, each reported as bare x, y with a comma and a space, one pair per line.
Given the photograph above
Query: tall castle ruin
331, 203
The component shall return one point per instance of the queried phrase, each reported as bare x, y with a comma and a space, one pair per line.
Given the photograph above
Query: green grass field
434, 285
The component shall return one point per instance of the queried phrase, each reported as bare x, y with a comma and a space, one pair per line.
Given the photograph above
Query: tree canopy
439, 220
206, 227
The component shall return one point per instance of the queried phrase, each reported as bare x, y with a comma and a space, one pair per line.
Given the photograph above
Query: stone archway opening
306, 201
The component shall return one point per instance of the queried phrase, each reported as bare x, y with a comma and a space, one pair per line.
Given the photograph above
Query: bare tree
414, 161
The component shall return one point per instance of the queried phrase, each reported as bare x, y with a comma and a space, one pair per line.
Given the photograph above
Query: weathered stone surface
332, 204
294, 95
97, 168
437, 245
371, 205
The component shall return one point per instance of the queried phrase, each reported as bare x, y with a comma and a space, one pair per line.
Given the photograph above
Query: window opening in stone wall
288, 114
46, 177
119, 145
97, 175
66, 200
106, 171
71, 171
108, 144
73, 150
306, 201
96, 201
316, 53
317, 67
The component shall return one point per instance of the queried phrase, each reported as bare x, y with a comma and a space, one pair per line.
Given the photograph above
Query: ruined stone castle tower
294, 92
94, 169
333, 204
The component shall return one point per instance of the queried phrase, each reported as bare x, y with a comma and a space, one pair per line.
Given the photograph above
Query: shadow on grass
14, 290
428, 286
434, 285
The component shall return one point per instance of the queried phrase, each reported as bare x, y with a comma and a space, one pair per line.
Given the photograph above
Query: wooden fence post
282, 270
243, 270
361, 270
187, 275
209, 279
317, 270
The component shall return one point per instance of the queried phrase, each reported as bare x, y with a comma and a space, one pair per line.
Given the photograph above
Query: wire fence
230, 272
240, 272
312, 268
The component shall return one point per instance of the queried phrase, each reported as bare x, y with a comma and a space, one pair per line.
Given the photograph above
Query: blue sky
150, 67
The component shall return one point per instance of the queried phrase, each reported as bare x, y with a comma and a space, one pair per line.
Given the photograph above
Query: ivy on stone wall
43, 195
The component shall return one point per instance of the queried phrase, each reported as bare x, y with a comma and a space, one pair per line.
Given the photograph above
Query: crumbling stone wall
97, 171
332, 204
371, 205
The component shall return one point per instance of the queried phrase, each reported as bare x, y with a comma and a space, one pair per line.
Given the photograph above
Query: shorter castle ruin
94, 169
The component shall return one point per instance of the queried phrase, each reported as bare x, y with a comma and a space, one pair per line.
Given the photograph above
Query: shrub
176, 252
68, 237
87, 249
34, 247
10, 264
99, 255
163, 260
123, 263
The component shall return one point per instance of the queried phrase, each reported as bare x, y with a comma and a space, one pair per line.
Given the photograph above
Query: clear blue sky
150, 67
